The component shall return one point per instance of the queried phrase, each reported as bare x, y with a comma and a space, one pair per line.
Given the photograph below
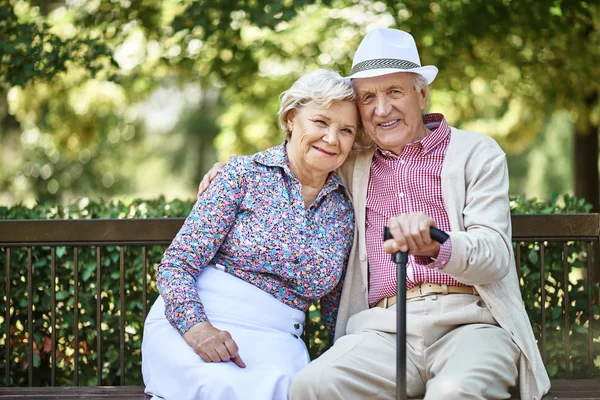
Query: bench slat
71, 392
581, 389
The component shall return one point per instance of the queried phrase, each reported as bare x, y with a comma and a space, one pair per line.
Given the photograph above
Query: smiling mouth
323, 151
389, 123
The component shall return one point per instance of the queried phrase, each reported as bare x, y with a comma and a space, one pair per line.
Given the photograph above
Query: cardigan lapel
360, 184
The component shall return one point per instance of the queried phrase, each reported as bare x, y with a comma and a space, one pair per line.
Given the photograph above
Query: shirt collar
276, 156
439, 128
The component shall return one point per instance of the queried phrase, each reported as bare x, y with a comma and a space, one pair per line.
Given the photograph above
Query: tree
73, 72
506, 67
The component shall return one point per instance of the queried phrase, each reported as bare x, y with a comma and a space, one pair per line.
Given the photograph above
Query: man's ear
424, 92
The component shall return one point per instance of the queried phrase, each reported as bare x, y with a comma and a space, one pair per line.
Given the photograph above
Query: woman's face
321, 138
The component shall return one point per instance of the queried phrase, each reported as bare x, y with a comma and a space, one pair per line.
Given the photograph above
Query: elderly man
468, 336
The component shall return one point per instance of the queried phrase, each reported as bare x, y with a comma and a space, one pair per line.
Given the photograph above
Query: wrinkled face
321, 138
391, 109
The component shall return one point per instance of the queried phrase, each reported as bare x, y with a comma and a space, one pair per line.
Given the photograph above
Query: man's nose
382, 108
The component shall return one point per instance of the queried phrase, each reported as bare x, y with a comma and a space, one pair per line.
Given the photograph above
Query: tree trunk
587, 179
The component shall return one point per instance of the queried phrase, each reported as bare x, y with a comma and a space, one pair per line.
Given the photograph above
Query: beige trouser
455, 350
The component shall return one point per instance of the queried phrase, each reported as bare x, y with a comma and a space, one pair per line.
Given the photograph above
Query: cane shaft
401, 327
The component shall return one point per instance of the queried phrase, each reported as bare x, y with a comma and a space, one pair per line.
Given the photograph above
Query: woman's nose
332, 136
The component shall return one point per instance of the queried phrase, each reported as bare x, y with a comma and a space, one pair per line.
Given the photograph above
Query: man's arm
482, 253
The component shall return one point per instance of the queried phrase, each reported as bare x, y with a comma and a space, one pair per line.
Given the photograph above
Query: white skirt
266, 331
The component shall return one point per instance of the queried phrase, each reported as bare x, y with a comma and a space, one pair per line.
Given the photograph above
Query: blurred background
125, 99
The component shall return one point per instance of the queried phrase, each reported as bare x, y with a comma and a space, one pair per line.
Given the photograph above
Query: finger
397, 232
203, 355
237, 360
390, 246
203, 185
416, 236
222, 352
232, 347
424, 226
214, 171
212, 354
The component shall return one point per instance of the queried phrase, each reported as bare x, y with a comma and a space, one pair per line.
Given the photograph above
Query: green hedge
133, 297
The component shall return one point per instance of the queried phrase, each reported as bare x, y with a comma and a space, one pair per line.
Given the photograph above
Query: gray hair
420, 83
322, 87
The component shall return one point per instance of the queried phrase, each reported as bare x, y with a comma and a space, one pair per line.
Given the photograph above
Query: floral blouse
253, 222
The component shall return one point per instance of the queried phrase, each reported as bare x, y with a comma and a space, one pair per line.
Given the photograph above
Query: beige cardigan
475, 193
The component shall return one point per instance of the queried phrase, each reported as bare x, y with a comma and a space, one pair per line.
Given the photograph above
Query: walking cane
401, 258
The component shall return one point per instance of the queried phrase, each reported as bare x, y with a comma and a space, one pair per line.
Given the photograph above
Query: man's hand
212, 344
411, 233
210, 175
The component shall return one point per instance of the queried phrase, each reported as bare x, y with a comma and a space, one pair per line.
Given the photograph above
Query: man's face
391, 109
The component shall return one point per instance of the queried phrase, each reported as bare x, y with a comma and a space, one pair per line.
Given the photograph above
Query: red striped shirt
404, 184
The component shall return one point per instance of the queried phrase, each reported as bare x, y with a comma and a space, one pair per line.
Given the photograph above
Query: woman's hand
212, 344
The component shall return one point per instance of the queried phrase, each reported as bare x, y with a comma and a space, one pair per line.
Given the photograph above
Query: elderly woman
271, 235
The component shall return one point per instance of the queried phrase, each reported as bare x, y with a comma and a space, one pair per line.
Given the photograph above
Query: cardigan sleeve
481, 253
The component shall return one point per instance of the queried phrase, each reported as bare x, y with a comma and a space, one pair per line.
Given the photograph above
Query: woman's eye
320, 122
346, 130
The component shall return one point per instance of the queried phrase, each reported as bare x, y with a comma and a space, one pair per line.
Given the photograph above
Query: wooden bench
28, 241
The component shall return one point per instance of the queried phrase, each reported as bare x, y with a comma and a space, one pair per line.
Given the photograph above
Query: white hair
420, 83
322, 87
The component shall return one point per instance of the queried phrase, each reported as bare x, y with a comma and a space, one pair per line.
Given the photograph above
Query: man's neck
397, 150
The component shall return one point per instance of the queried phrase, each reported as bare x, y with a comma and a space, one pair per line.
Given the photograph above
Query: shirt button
401, 194
362, 288
402, 162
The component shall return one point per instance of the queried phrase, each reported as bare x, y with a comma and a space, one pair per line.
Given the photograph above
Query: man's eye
367, 98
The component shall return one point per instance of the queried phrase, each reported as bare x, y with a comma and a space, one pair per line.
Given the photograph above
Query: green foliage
30, 51
505, 68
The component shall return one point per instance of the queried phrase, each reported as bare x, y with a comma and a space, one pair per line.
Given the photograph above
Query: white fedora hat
386, 51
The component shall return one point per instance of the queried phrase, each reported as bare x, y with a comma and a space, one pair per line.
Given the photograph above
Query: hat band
383, 63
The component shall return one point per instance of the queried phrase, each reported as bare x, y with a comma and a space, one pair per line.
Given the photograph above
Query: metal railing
85, 259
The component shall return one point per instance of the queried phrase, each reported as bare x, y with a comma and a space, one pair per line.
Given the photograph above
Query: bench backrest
107, 268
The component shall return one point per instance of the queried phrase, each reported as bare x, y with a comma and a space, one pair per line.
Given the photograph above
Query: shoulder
467, 147
257, 162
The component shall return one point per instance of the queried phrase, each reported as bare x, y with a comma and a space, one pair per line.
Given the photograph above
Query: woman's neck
311, 182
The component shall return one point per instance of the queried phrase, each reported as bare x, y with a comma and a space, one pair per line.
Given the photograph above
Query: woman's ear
290, 120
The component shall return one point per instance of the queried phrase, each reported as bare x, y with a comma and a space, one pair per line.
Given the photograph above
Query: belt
428, 289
